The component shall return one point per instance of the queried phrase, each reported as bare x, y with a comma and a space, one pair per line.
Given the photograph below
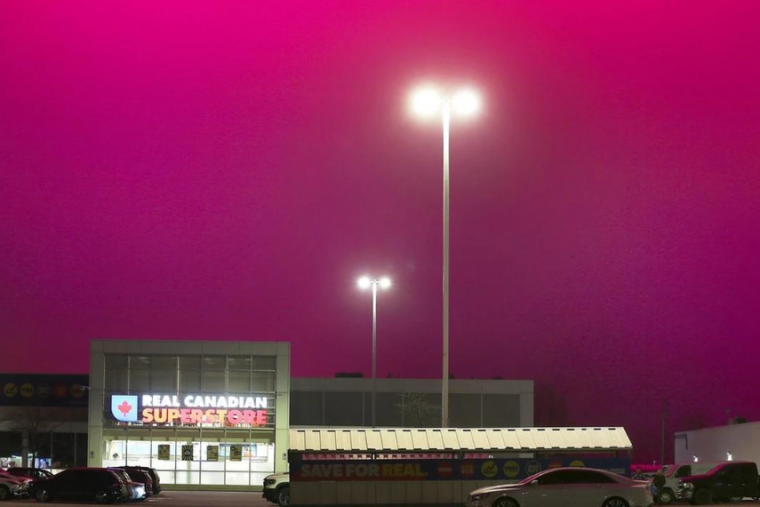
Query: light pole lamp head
426, 102
466, 102
366, 282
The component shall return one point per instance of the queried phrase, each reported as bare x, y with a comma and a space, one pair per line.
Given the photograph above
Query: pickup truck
277, 489
728, 482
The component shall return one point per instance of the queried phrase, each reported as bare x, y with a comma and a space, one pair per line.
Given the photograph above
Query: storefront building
204, 414
43, 420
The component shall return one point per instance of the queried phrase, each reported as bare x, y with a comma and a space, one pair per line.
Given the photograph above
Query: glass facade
50, 450
188, 458
199, 419
324, 408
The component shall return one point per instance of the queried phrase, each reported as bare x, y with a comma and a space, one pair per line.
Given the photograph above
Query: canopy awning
362, 440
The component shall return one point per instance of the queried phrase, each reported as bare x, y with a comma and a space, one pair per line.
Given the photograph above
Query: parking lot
209, 499
180, 499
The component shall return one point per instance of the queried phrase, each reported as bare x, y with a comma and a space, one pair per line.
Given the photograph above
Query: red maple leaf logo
125, 407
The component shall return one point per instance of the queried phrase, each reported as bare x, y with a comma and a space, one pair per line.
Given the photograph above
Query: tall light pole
427, 102
364, 283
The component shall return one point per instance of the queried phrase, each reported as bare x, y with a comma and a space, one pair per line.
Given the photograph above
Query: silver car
566, 487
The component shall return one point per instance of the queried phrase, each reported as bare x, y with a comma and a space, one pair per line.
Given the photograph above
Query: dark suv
729, 482
98, 484
155, 479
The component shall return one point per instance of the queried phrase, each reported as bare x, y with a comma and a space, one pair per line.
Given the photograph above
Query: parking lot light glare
426, 102
466, 102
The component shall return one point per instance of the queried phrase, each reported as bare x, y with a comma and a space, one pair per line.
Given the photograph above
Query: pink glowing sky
224, 170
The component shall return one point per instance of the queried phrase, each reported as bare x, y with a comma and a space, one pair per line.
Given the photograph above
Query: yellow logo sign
489, 469
10, 390
76, 391
27, 390
511, 469
577, 463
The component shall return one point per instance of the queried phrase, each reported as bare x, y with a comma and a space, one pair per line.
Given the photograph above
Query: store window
239, 381
193, 459
189, 381
163, 373
10, 448
116, 373
263, 381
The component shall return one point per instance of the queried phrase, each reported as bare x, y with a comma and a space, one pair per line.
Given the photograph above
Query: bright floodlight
466, 102
385, 282
426, 102
364, 282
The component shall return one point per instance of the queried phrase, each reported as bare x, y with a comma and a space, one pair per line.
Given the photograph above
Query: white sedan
566, 487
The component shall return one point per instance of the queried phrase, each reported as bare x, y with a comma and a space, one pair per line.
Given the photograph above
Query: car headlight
479, 497
686, 485
269, 482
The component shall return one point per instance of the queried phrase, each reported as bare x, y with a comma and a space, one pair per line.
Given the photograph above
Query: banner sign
443, 470
236, 453
163, 452
43, 390
187, 452
190, 410
212, 453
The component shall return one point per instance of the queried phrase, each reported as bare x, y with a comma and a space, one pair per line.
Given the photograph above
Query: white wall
713, 444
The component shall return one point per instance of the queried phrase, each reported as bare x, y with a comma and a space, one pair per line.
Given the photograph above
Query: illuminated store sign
192, 409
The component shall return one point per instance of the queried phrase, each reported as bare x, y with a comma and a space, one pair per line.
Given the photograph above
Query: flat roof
358, 440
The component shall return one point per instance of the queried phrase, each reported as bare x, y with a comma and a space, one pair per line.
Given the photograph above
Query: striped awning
358, 440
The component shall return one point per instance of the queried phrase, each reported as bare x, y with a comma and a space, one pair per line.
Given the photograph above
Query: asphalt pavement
176, 499
208, 499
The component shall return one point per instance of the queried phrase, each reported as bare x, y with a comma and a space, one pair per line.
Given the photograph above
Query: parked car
98, 484
673, 473
12, 486
139, 474
277, 489
561, 487
32, 473
728, 482
136, 489
156, 484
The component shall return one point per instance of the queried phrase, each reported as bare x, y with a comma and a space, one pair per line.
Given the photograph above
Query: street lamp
426, 103
365, 283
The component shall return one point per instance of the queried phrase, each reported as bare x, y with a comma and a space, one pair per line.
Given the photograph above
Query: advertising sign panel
163, 452
442, 470
43, 390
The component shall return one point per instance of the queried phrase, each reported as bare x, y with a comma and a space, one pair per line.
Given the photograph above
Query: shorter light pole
365, 283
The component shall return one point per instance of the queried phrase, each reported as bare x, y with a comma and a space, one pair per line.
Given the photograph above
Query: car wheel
42, 495
702, 496
666, 497
102, 497
615, 502
5, 493
283, 496
505, 502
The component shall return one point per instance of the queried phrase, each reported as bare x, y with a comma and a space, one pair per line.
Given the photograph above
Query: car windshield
530, 479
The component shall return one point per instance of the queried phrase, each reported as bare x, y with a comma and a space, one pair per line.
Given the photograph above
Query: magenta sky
220, 170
